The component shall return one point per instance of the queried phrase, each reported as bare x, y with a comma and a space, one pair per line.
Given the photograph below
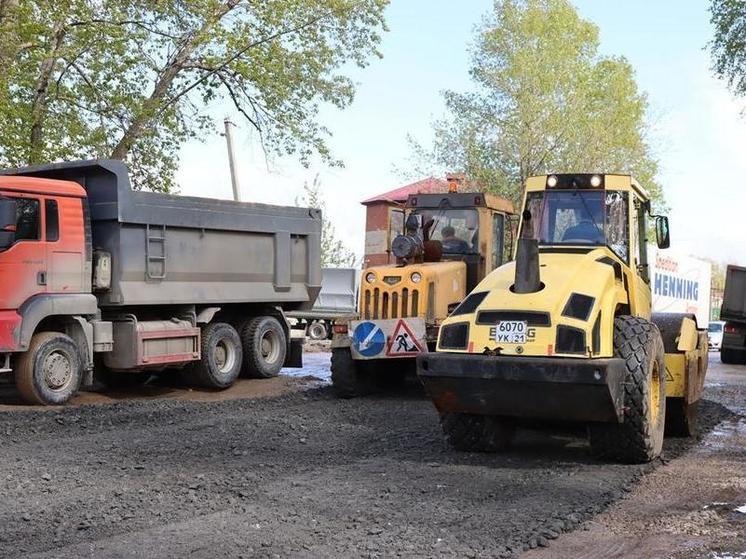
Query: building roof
430, 185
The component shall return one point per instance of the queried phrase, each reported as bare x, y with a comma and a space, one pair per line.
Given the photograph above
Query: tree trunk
40, 103
155, 103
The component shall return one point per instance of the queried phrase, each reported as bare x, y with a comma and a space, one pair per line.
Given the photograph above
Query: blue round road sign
368, 339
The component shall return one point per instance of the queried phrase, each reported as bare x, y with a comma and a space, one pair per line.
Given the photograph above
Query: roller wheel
639, 438
221, 357
264, 347
348, 378
477, 433
50, 371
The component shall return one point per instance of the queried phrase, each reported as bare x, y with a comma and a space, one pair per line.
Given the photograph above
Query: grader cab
566, 331
449, 243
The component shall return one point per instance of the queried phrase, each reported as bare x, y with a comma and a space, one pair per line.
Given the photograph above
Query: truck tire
264, 347
221, 357
477, 433
50, 371
728, 357
348, 378
681, 418
317, 330
639, 438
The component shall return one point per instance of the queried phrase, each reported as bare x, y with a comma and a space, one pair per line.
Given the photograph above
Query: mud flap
294, 357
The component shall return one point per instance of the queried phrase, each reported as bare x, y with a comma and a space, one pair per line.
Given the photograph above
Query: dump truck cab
553, 335
449, 243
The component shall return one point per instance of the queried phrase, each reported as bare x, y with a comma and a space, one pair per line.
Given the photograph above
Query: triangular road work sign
403, 342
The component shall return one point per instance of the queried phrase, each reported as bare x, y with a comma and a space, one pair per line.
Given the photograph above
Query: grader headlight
416, 277
370, 277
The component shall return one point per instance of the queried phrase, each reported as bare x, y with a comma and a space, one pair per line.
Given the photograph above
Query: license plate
511, 331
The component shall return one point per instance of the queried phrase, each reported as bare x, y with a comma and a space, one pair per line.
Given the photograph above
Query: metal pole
232, 159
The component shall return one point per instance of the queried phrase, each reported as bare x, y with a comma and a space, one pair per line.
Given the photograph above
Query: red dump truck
97, 277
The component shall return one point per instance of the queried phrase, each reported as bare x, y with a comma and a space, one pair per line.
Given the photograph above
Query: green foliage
544, 101
135, 79
334, 252
728, 47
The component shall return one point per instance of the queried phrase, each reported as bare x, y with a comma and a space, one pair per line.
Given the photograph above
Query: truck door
64, 236
23, 266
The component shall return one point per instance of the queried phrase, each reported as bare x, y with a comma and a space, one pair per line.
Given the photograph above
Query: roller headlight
416, 277
551, 181
595, 181
370, 277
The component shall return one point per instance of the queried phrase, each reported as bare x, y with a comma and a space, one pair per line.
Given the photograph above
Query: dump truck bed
170, 249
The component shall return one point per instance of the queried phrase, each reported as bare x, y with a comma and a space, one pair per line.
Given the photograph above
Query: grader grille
395, 303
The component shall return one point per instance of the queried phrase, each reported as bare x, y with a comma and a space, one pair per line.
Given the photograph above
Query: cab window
27, 219
498, 230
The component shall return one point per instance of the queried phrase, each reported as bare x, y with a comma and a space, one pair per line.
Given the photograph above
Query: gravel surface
294, 476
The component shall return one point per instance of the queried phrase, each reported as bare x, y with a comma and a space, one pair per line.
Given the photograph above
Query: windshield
455, 229
715, 327
579, 217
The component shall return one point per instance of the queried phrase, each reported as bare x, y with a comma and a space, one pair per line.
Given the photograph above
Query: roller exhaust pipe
527, 279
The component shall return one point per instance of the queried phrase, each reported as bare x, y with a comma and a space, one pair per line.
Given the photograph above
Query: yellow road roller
565, 331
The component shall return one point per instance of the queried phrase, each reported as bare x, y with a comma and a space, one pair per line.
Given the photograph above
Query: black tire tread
24, 369
348, 380
198, 373
253, 364
634, 440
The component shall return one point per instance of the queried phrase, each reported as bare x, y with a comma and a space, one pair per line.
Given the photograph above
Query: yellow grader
450, 242
565, 332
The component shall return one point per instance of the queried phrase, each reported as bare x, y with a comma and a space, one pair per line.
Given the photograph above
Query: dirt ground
301, 474
693, 507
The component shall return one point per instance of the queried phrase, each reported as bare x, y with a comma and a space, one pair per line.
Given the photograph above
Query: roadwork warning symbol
403, 342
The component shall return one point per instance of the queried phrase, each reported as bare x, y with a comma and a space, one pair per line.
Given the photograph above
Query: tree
544, 101
728, 47
134, 79
334, 252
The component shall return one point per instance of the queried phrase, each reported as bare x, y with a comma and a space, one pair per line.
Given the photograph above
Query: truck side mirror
662, 233
8, 216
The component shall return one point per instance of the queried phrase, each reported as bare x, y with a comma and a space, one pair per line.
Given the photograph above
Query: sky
698, 128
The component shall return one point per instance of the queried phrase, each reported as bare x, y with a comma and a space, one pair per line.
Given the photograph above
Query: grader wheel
639, 438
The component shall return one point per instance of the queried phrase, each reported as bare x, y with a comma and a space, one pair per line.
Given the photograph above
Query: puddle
742, 509
314, 364
728, 435
741, 555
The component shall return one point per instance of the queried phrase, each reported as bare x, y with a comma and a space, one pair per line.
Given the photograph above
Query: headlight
551, 181
416, 277
595, 181
370, 277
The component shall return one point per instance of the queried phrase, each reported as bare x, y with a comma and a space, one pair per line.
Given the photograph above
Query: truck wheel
639, 438
477, 433
317, 330
728, 356
221, 359
264, 346
681, 418
348, 379
50, 371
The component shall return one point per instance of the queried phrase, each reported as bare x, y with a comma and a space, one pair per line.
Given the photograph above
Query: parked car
715, 334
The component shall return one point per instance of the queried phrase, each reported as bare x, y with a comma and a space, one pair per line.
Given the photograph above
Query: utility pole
232, 158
